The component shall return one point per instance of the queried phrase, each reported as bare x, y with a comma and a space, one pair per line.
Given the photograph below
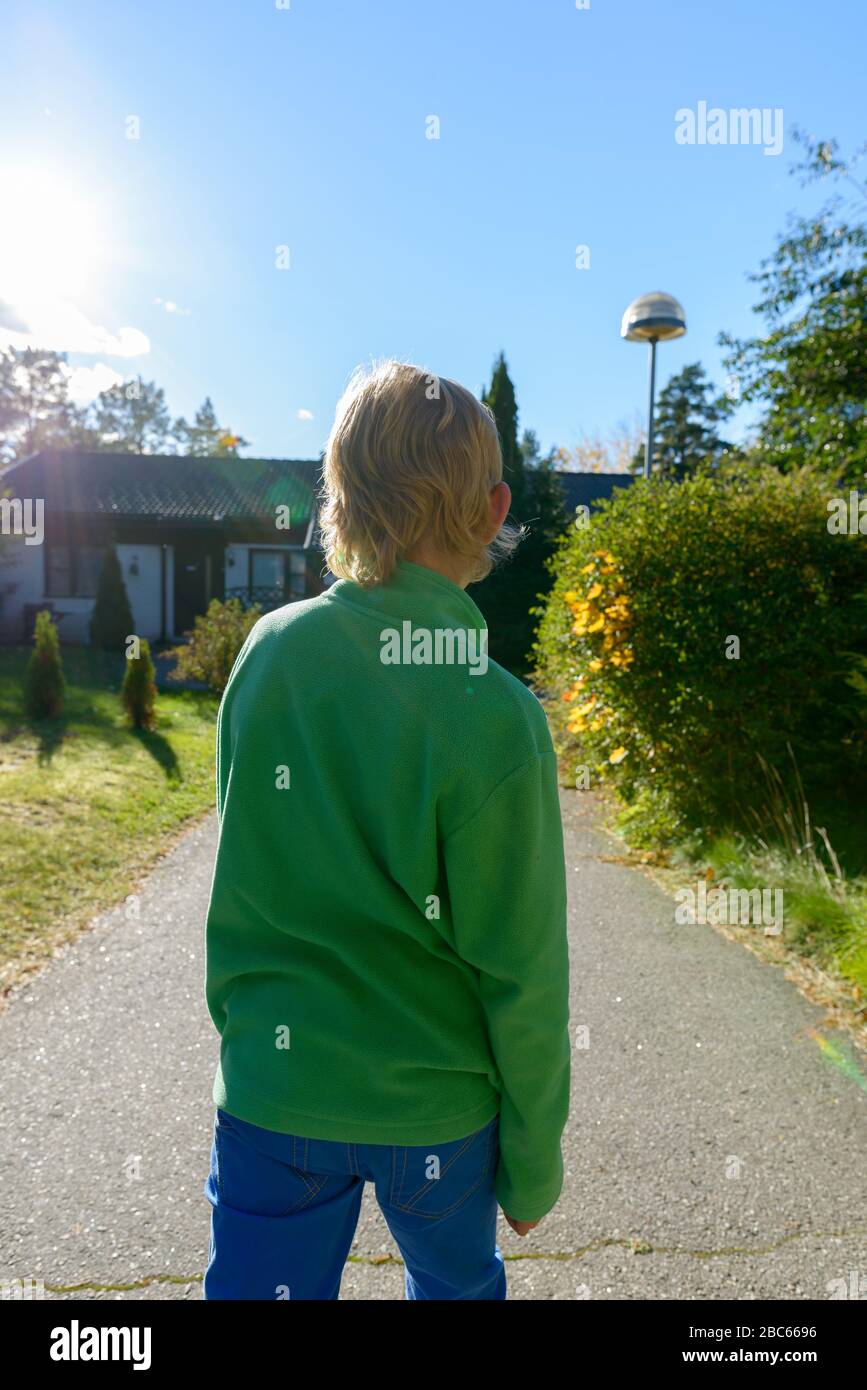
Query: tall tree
37, 413
111, 618
35, 409
132, 418
809, 369
206, 437
508, 597
686, 437
500, 398
531, 449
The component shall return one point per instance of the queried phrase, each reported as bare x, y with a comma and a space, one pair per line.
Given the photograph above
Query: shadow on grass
91, 710
160, 750
51, 734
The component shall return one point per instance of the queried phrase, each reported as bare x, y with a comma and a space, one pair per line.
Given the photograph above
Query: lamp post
652, 318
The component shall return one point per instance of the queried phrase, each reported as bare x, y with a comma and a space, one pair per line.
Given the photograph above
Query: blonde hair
410, 456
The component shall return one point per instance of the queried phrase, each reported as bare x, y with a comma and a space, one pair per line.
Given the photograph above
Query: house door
193, 580
141, 566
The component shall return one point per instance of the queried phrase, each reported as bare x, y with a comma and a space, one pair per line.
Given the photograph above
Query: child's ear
501, 501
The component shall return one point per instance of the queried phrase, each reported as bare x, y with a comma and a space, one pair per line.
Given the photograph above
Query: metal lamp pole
652, 318
648, 452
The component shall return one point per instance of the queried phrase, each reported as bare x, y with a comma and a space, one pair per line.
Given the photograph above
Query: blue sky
305, 127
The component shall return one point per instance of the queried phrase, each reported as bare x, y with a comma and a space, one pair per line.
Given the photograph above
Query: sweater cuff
527, 1204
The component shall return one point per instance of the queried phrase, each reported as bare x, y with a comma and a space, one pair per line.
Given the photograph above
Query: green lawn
86, 803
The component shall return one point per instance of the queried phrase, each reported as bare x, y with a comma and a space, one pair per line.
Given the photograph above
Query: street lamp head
653, 317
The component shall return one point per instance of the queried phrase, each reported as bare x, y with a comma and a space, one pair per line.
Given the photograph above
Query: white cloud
305, 414
85, 383
172, 308
59, 326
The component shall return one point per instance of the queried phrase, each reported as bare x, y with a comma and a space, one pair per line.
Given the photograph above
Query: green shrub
632, 646
44, 682
139, 691
214, 643
111, 620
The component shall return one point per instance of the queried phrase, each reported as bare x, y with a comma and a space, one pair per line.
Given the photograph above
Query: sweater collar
414, 592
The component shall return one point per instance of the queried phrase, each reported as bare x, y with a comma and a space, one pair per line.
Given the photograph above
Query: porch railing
267, 596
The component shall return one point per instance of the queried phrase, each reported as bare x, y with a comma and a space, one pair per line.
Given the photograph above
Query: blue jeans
284, 1211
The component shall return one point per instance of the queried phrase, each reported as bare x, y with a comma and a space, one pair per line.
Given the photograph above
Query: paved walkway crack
636, 1246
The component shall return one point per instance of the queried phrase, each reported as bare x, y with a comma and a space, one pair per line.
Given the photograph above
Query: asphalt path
713, 1151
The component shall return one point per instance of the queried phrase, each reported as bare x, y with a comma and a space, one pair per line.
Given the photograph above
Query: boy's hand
521, 1228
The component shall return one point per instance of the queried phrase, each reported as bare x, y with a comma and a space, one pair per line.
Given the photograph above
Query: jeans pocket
433, 1180
253, 1170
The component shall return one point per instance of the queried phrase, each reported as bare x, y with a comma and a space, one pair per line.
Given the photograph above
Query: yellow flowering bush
600, 612
696, 629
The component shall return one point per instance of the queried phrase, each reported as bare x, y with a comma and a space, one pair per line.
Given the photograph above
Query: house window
88, 563
278, 574
266, 569
72, 571
297, 574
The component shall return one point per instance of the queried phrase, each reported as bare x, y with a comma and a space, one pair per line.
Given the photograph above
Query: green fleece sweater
386, 934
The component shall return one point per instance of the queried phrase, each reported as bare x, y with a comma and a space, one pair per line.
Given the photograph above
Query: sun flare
51, 236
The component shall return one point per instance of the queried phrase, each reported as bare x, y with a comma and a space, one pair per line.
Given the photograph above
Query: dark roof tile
167, 487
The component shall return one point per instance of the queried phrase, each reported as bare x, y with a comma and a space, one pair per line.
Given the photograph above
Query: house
586, 489
186, 530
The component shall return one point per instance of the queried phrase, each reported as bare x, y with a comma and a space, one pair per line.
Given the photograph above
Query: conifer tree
139, 691
44, 682
111, 621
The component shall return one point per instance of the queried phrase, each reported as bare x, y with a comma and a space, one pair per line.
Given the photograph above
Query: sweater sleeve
507, 890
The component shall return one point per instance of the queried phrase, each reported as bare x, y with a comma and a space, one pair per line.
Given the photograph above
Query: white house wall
237, 573
21, 582
143, 589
